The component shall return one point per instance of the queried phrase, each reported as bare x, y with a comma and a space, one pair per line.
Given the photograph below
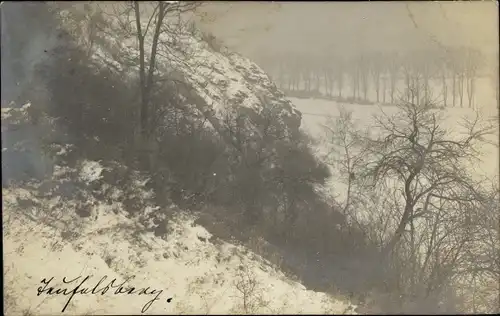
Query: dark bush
93, 104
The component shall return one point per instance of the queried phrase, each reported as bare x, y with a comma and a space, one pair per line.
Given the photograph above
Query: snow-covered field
316, 113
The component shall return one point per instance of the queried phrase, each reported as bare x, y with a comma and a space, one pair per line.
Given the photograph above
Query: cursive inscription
100, 288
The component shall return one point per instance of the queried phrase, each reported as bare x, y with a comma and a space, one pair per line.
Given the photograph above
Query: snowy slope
199, 276
213, 78
44, 239
46, 236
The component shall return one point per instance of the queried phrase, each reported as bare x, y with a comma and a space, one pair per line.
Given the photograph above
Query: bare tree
425, 65
454, 65
472, 65
412, 196
408, 72
317, 72
344, 152
307, 73
281, 69
393, 69
443, 60
296, 71
364, 73
384, 88
340, 78
329, 75
376, 72
485, 256
146, 72
460, 64
354, 73
147, 24
423, 160
250, 289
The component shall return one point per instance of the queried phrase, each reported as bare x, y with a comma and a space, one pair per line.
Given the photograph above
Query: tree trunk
426, 89
327, 83
408, 87
454, 89
341, 84
364, 81
399, 231
445, 89
393, 86
408, 210
416, 84
413, 273
148, 146
384, 89
332, 83
353, 85
470, 90
461, 89
280, 76
318, 82
142, 72
357, 84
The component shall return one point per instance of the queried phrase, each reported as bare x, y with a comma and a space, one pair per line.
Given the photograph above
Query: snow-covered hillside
198, 276
75, 221
214, 79
187, 272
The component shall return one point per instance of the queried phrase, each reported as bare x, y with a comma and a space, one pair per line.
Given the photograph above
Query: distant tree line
381, 77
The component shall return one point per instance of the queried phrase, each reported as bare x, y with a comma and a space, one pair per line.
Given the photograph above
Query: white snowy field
316, 113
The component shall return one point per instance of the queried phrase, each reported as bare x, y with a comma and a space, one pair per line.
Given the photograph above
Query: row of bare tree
387, 74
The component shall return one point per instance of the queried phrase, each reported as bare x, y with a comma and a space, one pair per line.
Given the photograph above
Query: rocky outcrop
211, 78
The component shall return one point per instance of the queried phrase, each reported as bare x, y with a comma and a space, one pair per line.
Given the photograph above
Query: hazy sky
252, 27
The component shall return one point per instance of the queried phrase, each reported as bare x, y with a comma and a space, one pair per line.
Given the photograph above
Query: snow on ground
199, 276
91, 171
185, 274
316, 113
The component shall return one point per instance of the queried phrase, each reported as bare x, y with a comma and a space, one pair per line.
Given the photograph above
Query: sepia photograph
250, 157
